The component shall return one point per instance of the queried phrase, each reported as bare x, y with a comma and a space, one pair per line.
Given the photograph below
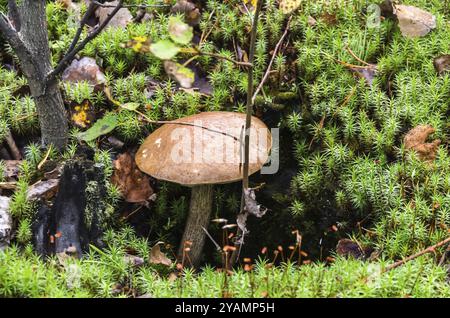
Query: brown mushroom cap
192, 155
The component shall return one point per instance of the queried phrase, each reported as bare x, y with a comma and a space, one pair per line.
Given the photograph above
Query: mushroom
199, 151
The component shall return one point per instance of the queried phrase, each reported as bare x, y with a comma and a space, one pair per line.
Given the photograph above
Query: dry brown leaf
311, 21
191, 12
347, 247
368, 73
416, 138
11, 169
133, 184
85, 69
413, 21
133, 260
121, 19
158, 257
183, 75
442, 63
329, 19
69, 5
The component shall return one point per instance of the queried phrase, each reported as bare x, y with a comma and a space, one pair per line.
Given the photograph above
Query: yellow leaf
82, 115
289, 6
139, 44
252, 2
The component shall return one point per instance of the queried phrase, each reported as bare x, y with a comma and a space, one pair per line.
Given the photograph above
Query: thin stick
15, 152
248, 121
356, 57
207, 21
429, 249
132, 5
218, 56
268, 71
249, 106
89, 11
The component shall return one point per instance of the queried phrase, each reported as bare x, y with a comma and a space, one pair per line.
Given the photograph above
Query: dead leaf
329, 19
5, 223
183, 75
121, 19
347, 247
251, 206
192, 14
413, 21
416, 138
69, 5
133, 261
85, 69
158, 257
311, 21
172, 277
133, 184
45, 189
442, 63
367, 73
11, 169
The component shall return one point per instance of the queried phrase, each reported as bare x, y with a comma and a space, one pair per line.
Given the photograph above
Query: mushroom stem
199, 213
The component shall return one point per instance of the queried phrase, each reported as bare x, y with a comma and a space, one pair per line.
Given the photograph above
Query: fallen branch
429, 249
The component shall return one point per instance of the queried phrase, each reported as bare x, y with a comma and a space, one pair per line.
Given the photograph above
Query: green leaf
101, 127
164, 49
179, 31
130, 106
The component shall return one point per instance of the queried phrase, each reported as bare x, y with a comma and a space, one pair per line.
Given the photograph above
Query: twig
249, 106
444, 255
15, 152
103, 5
222, 57
429, 249
248, 121
268, 71
8, 185
202, 37
69, 56
89, 11
356, 57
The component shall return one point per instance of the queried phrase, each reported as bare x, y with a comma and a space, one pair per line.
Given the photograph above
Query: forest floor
360, 204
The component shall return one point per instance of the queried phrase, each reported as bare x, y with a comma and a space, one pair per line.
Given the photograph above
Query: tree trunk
52, 116
35, 61
199, 213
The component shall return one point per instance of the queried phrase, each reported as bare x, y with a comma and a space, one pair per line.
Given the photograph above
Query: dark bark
77, 216
199, 214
